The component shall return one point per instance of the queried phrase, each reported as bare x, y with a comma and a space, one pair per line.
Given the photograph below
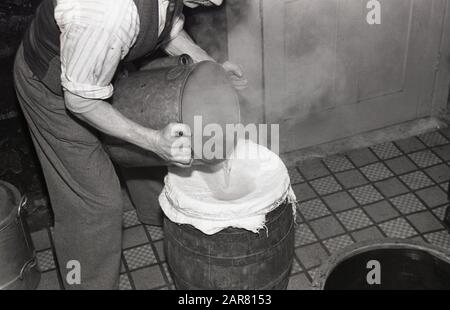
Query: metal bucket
18, 264
402, 265
173, 90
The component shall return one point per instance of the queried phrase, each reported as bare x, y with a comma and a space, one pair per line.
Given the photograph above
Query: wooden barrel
233, 258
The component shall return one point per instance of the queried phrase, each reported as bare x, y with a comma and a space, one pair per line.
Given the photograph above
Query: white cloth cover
258, 183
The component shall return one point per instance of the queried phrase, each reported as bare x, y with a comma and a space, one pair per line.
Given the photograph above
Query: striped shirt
95, 36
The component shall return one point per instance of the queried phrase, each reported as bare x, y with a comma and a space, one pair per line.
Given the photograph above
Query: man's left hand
236, 75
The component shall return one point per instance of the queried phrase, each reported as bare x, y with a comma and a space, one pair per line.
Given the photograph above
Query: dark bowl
403, 265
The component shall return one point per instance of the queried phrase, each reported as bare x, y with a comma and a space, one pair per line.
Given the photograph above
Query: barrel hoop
268, 286
260, 256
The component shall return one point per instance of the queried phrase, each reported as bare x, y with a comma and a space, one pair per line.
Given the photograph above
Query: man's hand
173, 144
236, 75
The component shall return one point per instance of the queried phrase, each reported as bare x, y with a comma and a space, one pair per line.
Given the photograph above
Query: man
63, 73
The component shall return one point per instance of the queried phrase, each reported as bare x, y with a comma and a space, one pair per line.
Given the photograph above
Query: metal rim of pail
328, 267
13, 213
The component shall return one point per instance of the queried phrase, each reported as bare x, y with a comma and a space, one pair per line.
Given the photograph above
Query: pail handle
21, 213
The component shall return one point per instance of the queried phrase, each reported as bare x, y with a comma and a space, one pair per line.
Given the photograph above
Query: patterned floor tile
130, 219
296, 268
424, 159
366, 194
124, 283
416, 180
167, 273
313, 209
45, 260
139, 257
440, 239
295, 176
336, 244
433, 139
376, 172
386, 150
407, 204
326, 185
156, 233
440, 212
304, 235
354, 219
338, 163
312, 272
398, 228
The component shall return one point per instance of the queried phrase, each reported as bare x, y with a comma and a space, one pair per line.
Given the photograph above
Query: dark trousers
83, 186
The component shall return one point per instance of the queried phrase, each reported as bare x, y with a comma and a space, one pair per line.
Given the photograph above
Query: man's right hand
173, 144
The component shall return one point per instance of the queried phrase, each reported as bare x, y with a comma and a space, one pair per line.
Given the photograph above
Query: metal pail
18, 264
174, 90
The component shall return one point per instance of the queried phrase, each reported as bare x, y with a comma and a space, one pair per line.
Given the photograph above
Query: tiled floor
393, 190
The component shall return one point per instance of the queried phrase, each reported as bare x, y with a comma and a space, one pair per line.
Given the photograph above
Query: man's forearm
183, 44
108, 120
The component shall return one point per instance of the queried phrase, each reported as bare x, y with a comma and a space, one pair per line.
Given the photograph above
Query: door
328, 74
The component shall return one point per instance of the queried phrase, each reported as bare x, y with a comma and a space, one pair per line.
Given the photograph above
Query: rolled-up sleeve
95, 37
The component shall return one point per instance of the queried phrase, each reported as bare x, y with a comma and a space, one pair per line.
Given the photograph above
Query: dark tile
327, 227
148, 278
299, 282
134, 236
160, 250
311, 255
446, 132
440, 173
49, 281
303, 192
351, 178
391, 187
370, 233
410, 145
381, 211
41, 240
433, 196
424, 222
443, 152
312, 169
362, 157
340, 201
401, 165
